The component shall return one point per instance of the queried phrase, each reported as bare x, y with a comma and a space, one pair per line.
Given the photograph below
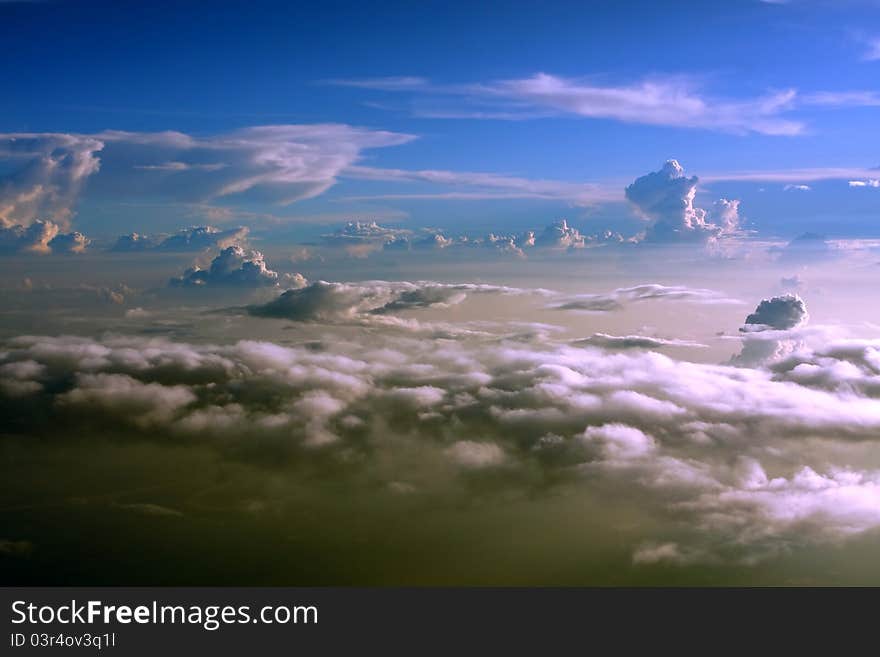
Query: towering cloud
48, 171
233, 267
666, 198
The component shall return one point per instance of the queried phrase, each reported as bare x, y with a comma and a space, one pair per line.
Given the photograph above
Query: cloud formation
784, 312
41, 237
274, 163
616, 299
194, 238
48, 172
669, 101
666, 198
323, 301
742, 464
233, 267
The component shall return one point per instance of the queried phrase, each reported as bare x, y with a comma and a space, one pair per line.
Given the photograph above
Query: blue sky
528, 91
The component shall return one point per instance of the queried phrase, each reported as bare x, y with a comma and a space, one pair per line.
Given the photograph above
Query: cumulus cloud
194, 238
361, 239
233, 267
870, 182
355, 233
666, 198
41, 237
731, 458
783, 312
767, 338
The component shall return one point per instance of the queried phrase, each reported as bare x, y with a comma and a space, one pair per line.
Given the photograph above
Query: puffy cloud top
41, 237
783, 312
194, 238
233, 267
666, 197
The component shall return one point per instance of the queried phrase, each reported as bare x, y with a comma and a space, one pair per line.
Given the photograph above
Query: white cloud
797, 188
277, 163
485, 186
666, 198
672, 101
732, 464
871, 182
48, 172
234, 266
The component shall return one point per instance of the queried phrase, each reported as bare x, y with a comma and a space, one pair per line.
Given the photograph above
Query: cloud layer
743, 464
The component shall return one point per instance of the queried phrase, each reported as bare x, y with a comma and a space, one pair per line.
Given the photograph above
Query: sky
439, 293
781, 94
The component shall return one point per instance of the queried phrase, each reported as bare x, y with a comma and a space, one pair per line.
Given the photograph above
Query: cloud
355, 233
361, 239
871, 182
797, 188
768, 338
793, 176
194, 238
615, 342
648, 292
731, 464
40, 237
323, 301
47, 173
275, 163
484, 185
784, 312
666, 198
233, 267
672, 101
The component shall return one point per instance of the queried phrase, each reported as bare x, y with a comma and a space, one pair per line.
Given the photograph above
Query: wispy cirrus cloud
670, 101
794, 176
486, 186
